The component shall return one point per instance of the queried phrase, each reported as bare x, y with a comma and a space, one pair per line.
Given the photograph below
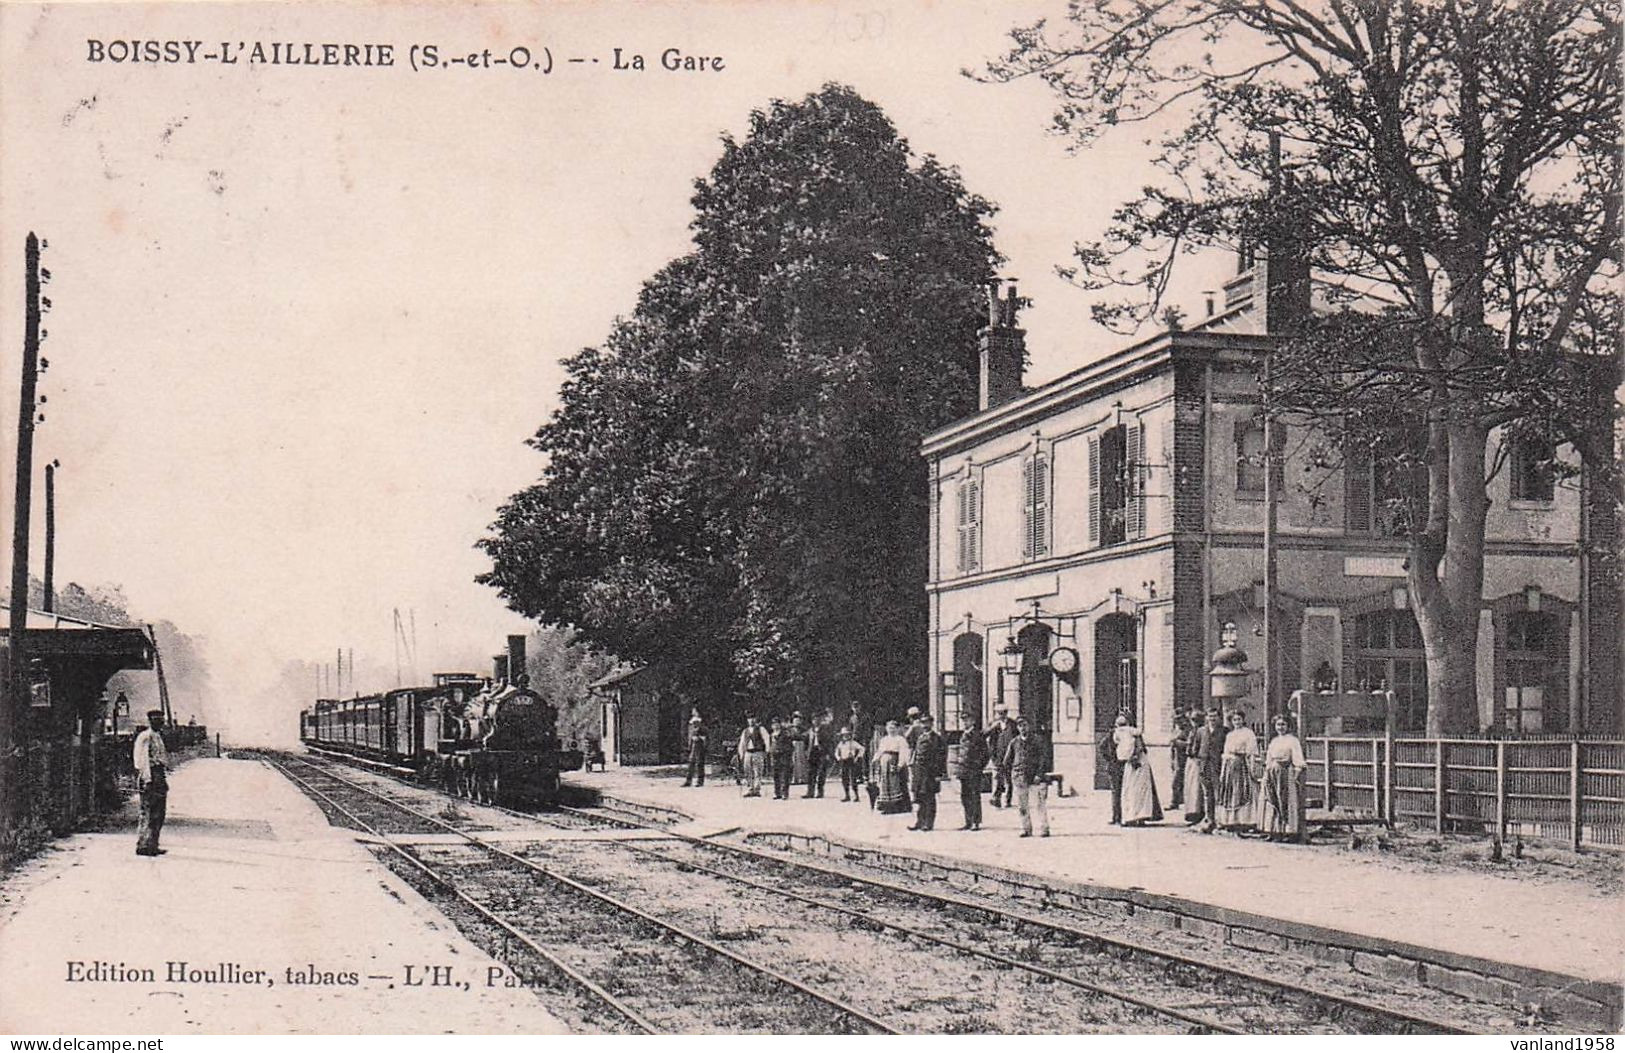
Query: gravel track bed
1426, 1002
916, 988
680, 988
907, 989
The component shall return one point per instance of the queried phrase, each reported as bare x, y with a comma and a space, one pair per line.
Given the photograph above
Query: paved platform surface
255, 877
1560, 926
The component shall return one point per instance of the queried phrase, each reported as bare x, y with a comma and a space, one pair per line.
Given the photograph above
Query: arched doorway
1037, 692
968, 679
1117, 677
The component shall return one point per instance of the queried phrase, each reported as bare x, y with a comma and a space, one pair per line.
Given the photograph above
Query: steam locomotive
491, 740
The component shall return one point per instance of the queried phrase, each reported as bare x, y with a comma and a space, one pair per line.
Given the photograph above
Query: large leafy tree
1451, 168
733, 487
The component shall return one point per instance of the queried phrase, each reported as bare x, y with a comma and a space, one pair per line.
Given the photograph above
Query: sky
304, 317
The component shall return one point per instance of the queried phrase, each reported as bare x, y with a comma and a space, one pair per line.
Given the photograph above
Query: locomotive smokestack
499, 669
516, 657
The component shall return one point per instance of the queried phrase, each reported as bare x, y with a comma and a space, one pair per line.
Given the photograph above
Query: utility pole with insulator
18, 686
49, 603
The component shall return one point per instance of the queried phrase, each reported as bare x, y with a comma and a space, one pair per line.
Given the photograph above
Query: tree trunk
1447, 588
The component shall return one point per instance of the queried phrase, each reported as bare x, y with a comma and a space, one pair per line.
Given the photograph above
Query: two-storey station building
1090, 538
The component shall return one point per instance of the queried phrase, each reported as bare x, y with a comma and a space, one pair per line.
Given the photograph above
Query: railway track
625, 959
1185, 991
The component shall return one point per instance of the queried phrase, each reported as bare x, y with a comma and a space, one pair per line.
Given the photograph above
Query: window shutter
1094, 489
1040, 505
973, 526
1027, 508
1357, 491
962, 494
1134, 467
1243, 481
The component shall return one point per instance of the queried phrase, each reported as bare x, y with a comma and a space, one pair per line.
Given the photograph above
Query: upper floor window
1249, 458
969, 525
1386, 489
1035, 506
1531, 466
1117, 485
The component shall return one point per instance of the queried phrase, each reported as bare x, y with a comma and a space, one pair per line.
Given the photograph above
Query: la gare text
424, 56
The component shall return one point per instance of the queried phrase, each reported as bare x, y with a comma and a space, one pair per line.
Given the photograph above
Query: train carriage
492, 740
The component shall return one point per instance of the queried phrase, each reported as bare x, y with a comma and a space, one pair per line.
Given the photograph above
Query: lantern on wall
1229, 674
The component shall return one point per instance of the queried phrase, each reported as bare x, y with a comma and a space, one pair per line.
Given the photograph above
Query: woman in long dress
1281, 815
1238, 789
892, 757
1139, 794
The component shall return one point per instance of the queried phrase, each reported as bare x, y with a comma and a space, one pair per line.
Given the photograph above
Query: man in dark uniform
929, 765
696, 752
999, 738
1106, 756
1209, 762
972, 759
820, 752
782, 752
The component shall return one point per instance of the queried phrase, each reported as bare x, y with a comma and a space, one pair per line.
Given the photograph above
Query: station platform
1571, 927
256, 889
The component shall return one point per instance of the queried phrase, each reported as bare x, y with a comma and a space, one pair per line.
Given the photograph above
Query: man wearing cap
972, 759
1000, 735
151, 768
849, 755
820, 748
929, 764
696, 752
1026, 760
753, 755
782, 745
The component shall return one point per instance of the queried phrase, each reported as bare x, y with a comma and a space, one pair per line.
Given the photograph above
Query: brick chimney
1003, 347
1273, 282
516, 657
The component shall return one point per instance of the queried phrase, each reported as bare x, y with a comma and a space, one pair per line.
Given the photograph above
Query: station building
641, 721
65, 764
1090, 537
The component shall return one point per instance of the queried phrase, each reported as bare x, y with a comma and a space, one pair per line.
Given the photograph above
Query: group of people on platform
904, 775
1221, 776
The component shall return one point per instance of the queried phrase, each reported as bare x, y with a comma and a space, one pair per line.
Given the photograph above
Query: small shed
640, 719
58, 725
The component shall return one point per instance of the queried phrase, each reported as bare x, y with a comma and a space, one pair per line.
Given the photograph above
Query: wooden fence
1571, 792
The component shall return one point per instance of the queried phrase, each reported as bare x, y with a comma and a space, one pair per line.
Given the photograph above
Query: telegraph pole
50, 537
17, 689
1272, 662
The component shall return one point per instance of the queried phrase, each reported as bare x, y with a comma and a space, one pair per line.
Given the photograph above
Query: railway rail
1188, 991
609, 930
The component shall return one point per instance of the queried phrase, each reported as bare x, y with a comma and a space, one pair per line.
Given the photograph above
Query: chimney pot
516, 657
1003, 349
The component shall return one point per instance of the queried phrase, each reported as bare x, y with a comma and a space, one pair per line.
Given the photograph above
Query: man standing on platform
696, 752
151, 773
1209, 762
1106, 757
820, 751
753, 756
1179, 746
930, 764
783, 748
1000, 736
972, 759
1027, 764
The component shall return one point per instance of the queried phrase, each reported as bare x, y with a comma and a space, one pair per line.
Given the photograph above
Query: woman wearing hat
696, 752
